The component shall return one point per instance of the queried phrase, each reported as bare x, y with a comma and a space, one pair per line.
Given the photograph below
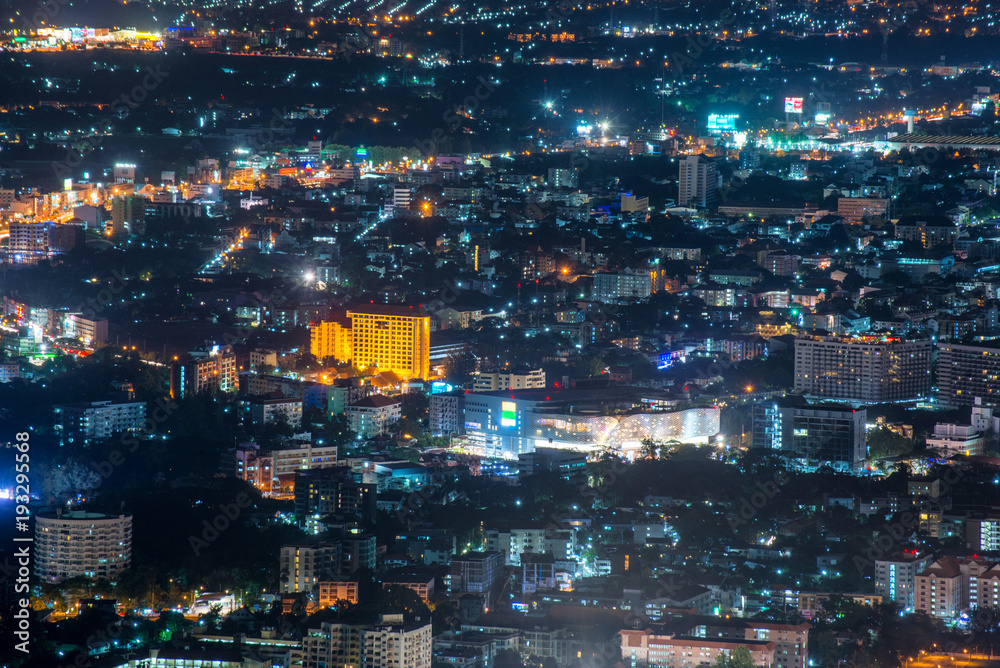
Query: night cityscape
510, 334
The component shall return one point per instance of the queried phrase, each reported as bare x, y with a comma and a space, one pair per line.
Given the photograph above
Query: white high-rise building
560, 177
82, 544
400, 199
627, 284
895, 576
864, 369
389, 643
29, 238
303, 566
97, 420
698, 181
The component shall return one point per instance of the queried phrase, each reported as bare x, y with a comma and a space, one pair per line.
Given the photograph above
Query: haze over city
420, 334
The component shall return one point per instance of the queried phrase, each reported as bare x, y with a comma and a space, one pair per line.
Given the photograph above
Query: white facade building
82, 544
698, 181
389, 643
98, 420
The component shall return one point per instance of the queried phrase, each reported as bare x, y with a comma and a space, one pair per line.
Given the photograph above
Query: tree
460, 367
738, 658
884, 443
508, 658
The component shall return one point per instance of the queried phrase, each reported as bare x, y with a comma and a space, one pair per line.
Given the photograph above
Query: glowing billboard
722, 122
793, 105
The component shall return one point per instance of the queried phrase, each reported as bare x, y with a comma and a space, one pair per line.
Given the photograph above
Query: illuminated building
569, 464
510, 423
400, 199
698, 182
331, 339
29, 238
538, 571
982, 534
627, 284
341, 589
966, 372
560, 543
510, 380
97, 420
332, 490
649, 648
420, 584
446, 413
373, 415
304, 565
948, 587
208, 370
262, 410
128, 215
928, 231
254, 466
854, 209
273, 471
91, 331
791, 640
18, 341
389, 338
895, 576
392, 338
814, 435
81, 544
389, 643
560, 177
480, 573
863, 369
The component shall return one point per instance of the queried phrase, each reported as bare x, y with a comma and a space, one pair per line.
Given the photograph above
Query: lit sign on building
508, 415
823, 113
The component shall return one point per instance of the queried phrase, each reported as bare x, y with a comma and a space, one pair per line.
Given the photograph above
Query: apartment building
303, 566
447, 413
791, 640
522, 379
867, 369
273, 471
340, 589
388, 643
83, 423
82, 544
560, 543
966, 373
698, 182
854, 209
421, 585
262, 410
951, 586
895, 576
820, 434
29, 238
373, 415
206, 370
647, 648
480, 573
626, 284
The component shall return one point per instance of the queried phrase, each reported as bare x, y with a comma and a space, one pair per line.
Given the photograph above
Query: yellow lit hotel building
331, 339
390, 338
